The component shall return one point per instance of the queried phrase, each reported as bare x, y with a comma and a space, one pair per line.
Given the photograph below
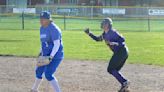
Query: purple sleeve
120, 38
96, 38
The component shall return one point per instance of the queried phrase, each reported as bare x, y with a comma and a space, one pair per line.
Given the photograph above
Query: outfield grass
123, 24
145, 47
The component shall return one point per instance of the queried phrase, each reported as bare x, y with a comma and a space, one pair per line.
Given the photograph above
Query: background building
24, 3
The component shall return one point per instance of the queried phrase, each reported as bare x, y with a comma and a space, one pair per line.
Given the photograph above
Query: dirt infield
17, 75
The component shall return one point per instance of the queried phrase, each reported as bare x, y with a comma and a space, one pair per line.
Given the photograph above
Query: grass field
145, 47
122, 24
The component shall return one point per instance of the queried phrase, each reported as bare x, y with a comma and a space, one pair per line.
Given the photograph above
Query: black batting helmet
106, 21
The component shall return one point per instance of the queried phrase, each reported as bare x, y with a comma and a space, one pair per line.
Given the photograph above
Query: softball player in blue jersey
51, 49
116, 43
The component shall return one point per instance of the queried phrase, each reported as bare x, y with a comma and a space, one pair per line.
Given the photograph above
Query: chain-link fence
79, 17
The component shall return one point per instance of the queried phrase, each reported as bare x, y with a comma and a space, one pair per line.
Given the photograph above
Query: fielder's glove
87, 31
43, 60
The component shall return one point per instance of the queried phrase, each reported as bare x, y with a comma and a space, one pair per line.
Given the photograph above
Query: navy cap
45, 15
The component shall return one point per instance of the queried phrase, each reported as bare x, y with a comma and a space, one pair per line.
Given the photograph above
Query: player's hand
87, 31
50, 58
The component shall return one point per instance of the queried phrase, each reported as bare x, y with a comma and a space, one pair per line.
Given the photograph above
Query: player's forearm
55, 48
96, 38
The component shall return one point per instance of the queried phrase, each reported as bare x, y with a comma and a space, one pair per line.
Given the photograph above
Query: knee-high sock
118, 76
55, 85
36, 84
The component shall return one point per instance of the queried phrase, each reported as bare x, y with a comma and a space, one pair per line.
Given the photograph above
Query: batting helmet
106, 21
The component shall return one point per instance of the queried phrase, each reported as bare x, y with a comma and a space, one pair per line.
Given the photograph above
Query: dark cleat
125, 87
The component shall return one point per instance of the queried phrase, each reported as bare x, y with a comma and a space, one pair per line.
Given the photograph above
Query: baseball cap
45, 15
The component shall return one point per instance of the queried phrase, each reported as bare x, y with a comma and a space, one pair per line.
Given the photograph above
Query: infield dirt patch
17, 75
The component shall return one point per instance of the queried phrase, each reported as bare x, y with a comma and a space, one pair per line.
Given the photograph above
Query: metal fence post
22, 20
149, 7
64, 21
149, 22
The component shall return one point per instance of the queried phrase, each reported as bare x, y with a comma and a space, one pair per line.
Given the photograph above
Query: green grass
144, 47
123, 24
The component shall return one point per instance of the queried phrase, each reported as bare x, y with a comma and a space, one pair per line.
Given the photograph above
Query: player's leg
123, 54
50, 70
55, 85
123, 58
115, 63
39, 72
112, 69
125, 85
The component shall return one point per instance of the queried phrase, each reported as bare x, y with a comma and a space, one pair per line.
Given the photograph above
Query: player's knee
38, 74
109, 70
49, 77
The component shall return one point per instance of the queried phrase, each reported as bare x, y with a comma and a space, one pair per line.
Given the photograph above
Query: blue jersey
113, 36
47, 36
